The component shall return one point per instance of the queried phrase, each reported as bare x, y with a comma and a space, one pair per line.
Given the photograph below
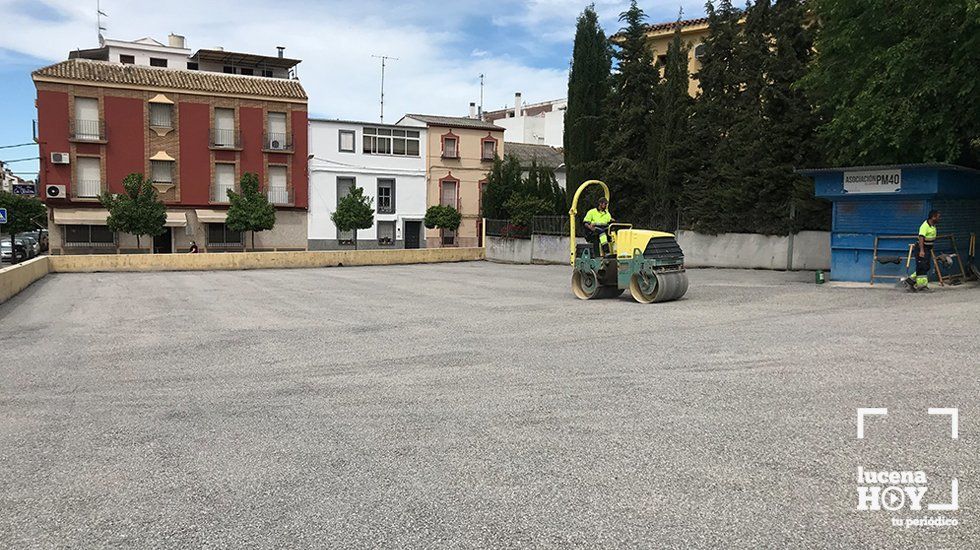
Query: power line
19, 160
18, 145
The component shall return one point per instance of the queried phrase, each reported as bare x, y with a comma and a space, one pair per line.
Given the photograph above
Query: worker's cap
603, 200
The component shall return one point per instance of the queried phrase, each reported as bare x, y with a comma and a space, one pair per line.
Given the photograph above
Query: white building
388, 162
176, 55
535, 123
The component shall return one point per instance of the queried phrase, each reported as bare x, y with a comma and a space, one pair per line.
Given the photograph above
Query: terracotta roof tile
455, 122
545, 155
156, 77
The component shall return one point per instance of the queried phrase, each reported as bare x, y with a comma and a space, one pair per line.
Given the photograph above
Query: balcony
219, 192
88, 130
88, 189
225, 139
278, 142
279, 195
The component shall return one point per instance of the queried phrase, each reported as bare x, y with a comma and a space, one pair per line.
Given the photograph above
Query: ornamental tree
138, 211
250, 210
355, 211
442, 217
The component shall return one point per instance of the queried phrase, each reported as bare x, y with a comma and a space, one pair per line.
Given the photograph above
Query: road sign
25, 189
3, 215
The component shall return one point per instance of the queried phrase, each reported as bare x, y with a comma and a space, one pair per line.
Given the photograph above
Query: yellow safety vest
927, 232
598, 218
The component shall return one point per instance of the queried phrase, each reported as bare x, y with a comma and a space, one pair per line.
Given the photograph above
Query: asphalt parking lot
476, 405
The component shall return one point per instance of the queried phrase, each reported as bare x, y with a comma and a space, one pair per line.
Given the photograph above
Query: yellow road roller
649, 263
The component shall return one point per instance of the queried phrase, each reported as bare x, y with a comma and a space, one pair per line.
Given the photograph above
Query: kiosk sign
873, 181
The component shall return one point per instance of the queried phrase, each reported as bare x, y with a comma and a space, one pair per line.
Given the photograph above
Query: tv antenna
384, 60
479, 111
99, 14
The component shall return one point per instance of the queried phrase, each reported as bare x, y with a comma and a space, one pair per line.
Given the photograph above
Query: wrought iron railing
219, 192
88, 130
88, 188
279, 195
550, 225
228, 139
278, 141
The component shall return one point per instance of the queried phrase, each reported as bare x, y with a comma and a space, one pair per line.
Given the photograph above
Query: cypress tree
626, 141
588, 87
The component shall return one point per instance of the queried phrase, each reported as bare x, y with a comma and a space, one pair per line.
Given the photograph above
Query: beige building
693, 33
459, 154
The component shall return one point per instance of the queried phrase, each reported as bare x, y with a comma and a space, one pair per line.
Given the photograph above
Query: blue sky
442, 48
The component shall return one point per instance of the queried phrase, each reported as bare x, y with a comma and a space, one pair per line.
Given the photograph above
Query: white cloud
335, 40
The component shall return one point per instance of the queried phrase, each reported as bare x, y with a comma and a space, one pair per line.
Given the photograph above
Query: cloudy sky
442, 47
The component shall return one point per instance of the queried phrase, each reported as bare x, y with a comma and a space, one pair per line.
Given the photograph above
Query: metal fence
504, 228
550, 225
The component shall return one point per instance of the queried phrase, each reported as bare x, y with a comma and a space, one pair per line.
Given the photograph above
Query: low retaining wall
807, 250
539, 249
17, 277
258, 260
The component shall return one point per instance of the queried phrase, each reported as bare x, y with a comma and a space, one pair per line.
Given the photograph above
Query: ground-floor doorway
413, 234
164, 242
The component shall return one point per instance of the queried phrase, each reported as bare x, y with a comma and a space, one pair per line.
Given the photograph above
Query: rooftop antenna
99, 14
479, 111
384, 60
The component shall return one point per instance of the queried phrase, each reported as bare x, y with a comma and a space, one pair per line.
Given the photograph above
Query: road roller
648, 263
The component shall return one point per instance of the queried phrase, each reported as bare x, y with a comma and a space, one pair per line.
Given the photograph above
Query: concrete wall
15, 278
539, 249
257, 260
810, 250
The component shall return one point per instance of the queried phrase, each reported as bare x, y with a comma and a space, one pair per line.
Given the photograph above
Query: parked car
21, 251
39, 235
31, 245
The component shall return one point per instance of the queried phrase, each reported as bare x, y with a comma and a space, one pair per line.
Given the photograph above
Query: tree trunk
355, 239
13, 249
253, 241
139, 247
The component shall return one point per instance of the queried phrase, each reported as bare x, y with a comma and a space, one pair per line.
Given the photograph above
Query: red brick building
192, 132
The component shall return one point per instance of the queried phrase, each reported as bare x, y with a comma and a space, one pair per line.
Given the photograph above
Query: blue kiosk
883, 206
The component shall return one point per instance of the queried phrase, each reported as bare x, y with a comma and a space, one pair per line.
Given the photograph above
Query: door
163, 243
412, 232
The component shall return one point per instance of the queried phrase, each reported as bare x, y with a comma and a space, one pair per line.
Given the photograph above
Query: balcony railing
88, 188
279, 195
219, 192
225, 139
278, 142
88, 130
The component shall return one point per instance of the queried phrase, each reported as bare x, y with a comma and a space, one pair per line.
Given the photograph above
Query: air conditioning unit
59, 158
275, 144
55, 191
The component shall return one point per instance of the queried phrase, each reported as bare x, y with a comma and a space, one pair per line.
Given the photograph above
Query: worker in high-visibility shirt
596, 220
923, 249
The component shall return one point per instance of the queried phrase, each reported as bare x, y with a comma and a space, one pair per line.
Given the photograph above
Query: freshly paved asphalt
476, 405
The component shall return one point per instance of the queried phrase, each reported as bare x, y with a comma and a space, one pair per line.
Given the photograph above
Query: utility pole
384, 59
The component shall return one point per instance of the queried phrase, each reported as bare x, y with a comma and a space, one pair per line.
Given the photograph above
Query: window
89, 236
699, 51
662, 60
224, 179
161, 115
386, 233
192, 66
489, 149
346, 141
219, 235
127, 59
386, 196
158, 62
224, 128
343, 189
483, 190
448, 237
89, 177
277, 131
447, 193
278, 189
228, 69
267, 73
449, 148
162, 171
87, 118
391, 141
247, 72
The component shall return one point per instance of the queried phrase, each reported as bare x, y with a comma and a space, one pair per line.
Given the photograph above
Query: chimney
517, 104
472, 109
281, 50
176, 41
